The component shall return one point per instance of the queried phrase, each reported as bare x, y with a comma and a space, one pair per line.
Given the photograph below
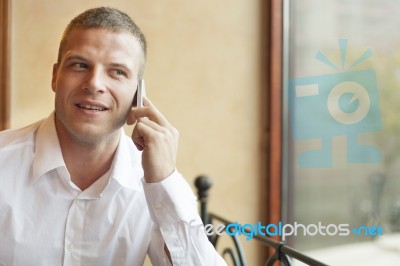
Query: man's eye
120, 72
80, 65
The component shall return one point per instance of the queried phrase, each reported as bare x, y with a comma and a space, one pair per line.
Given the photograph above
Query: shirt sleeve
173, 209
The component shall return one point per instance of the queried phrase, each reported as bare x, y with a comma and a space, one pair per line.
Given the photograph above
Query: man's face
95, 82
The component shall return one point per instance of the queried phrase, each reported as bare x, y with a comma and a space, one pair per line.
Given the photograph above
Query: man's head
100, 63
105, 18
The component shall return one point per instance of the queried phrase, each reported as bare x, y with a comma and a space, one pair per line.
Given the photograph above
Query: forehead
103, 44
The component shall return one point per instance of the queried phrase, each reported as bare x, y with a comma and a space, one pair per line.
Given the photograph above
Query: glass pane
343, 132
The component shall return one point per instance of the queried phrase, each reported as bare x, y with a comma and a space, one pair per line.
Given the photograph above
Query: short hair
105, 18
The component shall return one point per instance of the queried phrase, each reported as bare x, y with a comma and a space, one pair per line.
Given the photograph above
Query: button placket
73, 232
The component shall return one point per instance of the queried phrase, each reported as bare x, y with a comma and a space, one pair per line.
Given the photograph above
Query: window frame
5, 11
274, 123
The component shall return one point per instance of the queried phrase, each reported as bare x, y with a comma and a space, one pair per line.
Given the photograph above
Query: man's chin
87, 131
91, 135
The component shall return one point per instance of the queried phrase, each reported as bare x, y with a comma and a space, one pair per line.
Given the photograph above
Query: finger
144, 135
147, 102
149, 110
138, 146
137, 139
153, 125
132, 119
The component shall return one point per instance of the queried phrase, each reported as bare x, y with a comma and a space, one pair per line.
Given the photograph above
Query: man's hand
157, 139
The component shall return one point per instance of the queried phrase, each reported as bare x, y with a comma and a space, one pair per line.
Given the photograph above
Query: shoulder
21, 136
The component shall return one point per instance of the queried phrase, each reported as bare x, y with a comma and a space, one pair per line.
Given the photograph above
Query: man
74, 190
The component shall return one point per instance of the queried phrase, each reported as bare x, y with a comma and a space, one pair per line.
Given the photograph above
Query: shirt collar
48, 154
126, 168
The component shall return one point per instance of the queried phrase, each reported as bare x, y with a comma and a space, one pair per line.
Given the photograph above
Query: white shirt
45, 219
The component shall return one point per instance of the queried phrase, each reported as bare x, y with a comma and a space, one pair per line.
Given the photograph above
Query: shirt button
70, 248
158, 205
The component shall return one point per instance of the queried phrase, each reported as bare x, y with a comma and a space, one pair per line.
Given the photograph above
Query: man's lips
98, 107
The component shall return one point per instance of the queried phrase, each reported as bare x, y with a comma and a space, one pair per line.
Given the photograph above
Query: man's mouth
91, 107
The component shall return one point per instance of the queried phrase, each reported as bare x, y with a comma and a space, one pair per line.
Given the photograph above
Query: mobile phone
140, 93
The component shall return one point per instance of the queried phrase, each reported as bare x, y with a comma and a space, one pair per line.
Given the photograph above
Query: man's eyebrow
121, 65
75, 57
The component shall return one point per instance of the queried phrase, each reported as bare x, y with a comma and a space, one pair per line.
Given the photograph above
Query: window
341, 131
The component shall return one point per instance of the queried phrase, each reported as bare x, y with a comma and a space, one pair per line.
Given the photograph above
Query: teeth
91, 107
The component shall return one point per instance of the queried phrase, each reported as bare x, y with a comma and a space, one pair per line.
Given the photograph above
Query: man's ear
54, 77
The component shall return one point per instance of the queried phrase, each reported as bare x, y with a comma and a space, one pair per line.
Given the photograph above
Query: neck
87, 161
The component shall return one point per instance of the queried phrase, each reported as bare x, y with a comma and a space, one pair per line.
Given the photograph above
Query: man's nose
94, 82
